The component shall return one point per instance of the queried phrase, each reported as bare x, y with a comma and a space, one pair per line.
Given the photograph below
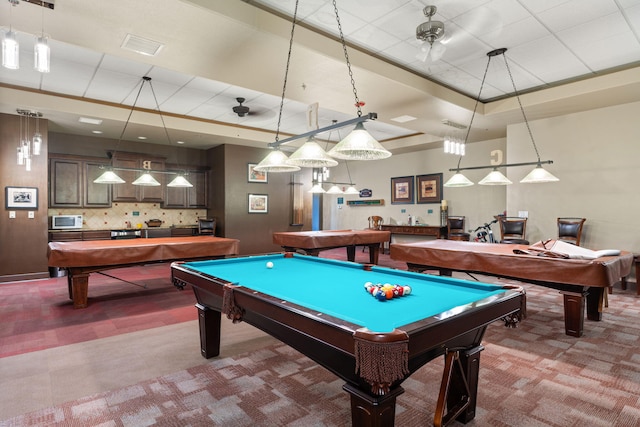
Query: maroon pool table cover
500, 260
93, 253
330, 238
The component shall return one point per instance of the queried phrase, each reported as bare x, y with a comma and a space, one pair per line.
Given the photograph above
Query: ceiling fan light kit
432, 33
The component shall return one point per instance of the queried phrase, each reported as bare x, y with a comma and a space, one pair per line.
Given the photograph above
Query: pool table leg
78, 288
372, 411
574, 313
209, 323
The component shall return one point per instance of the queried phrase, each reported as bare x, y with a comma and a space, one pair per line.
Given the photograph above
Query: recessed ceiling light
142, 137
403, 119
96, 131
90, 121
180, 142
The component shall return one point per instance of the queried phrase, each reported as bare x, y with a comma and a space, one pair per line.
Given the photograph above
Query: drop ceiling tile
537, 6
491, 17
68, 77
565, 63
576, 12
610, 51
112, 86
373, 38
515, 34
370, 10
325, 18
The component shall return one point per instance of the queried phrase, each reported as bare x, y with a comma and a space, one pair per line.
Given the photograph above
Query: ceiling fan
430, 32
241, 110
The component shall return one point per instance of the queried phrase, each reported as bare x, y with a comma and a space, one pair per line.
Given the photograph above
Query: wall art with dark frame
258, 203
21, 198
402, 190
429, 188
254, 175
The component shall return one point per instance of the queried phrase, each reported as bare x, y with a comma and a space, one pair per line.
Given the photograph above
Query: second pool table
320, 307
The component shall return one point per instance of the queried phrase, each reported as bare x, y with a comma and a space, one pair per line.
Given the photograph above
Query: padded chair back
375, 222
207, 226
570, 230
455, 228
513, 230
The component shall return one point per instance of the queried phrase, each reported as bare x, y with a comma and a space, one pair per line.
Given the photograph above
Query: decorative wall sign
429, 188
402, 190
372, 202
366, 192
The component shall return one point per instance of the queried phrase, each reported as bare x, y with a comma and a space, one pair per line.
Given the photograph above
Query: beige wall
478, 203
595, 155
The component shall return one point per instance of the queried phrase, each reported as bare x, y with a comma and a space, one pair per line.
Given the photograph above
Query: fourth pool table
320, 307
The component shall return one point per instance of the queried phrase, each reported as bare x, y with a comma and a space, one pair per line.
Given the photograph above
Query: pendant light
10, 46
334, 190
311, 155
495, 177
146, 180
180, 181
276, 161
537, 175
359, 144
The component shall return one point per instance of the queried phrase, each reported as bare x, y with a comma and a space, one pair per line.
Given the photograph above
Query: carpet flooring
531, 376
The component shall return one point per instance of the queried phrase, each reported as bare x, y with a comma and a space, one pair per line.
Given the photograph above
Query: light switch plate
12, 214
32, 214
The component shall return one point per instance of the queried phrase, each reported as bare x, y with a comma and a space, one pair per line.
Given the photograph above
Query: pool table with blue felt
320, 307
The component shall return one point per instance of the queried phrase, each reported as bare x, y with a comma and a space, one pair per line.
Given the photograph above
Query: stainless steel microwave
61, 222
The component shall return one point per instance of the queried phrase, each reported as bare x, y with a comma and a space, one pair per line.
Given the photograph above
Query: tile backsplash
120, 215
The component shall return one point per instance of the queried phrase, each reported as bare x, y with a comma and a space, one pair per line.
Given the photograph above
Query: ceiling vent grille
141, 45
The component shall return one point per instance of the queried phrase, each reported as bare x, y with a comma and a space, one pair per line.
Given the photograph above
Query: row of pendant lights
11, 49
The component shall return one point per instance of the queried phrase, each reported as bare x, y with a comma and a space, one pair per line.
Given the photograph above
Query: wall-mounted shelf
372, 202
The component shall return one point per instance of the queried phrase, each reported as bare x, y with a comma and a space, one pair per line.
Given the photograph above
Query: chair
375, 223
512, 230
455, 228
570, 230
207, 226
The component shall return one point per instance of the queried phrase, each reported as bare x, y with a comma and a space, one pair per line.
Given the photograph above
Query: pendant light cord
346, 58
475, 108
526, 122
286, 71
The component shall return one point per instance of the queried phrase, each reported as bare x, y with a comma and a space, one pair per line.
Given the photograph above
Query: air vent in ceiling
141, 45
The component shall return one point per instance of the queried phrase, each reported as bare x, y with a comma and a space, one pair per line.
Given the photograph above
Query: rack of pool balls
387, 291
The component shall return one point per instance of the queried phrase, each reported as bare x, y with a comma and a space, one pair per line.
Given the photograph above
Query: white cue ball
269, 264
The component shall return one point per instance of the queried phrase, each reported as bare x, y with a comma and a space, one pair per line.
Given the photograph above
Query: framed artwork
429, 188
21, 197
258, 203
402, 190
254, 175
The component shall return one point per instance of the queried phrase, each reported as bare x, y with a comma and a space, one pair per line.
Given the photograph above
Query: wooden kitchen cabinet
128, 192
71, 183
190, 197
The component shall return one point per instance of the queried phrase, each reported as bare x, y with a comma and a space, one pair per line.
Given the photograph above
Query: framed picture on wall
254, 175
402, 190
21, 198
429, 188
258, 203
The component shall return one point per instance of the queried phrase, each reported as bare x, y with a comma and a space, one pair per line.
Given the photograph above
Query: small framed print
402, 190
258, 203
254, 175
429, 188
21, 198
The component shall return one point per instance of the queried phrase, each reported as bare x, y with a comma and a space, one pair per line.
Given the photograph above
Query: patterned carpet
39, 314
532, 376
